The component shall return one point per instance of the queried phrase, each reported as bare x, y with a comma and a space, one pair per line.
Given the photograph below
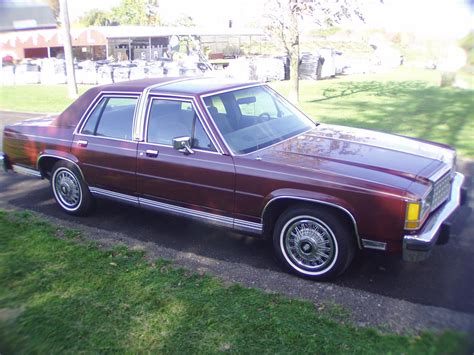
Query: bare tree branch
283, 19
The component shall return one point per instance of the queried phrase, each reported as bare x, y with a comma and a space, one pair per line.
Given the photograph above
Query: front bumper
417, 247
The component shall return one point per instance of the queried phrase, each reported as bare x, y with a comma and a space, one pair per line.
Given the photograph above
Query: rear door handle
151, 153
82, 143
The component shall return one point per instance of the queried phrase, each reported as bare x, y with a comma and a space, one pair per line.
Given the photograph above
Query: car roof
186, 86
200, 86
190, 86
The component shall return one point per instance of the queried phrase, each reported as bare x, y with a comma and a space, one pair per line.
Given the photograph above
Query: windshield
254, 118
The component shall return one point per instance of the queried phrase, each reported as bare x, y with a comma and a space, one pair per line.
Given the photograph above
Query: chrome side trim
229, 222
213, 218
113, 195
246, 226
372, 244
26, 171
356, 231
417, 247
61, 158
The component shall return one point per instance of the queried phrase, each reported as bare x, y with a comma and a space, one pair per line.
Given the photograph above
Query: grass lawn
36, 98
406, 101
59, 295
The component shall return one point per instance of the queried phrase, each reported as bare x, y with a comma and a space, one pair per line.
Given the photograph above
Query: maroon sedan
240, 156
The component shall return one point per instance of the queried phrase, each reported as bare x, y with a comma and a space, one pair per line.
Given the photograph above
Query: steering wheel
264, 114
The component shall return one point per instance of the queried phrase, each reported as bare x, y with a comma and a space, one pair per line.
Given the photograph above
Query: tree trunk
294, 77
71, 76
294, 49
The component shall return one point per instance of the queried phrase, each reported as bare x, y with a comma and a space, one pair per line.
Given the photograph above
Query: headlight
416, 212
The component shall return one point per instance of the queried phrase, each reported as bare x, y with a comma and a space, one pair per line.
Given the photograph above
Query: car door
105, 148
200, 184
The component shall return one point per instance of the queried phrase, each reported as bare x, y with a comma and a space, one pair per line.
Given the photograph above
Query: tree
71, 76
184, 21
137, 12
54, 5
284, 19
467, 43
96, 17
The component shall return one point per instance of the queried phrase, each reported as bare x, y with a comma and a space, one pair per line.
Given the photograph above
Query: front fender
305, 195
312, 197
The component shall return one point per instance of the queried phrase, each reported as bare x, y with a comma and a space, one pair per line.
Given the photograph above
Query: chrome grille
441, 190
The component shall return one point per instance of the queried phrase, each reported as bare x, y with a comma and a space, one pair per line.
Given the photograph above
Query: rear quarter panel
25, 141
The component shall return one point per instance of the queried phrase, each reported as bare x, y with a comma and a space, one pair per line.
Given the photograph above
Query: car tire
313, 242
69, 189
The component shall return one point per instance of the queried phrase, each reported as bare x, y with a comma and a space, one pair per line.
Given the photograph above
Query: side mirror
183, 145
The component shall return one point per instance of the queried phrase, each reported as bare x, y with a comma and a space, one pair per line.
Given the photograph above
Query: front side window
170, 119
112, 118
253, 118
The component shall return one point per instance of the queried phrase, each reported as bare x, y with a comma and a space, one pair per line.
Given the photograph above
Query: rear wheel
313, 242
70, 190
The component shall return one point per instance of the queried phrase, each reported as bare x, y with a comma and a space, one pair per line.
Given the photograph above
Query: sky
449, 18
440, 18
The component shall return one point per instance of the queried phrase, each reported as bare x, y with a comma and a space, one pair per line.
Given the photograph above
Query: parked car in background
238, 155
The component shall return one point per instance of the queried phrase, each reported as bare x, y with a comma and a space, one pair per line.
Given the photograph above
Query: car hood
359, 153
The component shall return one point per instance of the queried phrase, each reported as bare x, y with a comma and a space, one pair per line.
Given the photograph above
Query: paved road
445, 280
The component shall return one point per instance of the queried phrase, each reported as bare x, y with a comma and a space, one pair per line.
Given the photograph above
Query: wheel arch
277, 204
46, 161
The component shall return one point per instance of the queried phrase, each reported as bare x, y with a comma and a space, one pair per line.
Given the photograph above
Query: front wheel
313, 242
70, 190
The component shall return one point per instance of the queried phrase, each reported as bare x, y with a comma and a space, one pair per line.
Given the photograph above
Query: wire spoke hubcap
67, 188
310, 244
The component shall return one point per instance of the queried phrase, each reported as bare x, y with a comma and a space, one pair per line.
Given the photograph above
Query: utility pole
71, 76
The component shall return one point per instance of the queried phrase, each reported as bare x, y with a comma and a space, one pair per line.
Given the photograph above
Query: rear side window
112, 118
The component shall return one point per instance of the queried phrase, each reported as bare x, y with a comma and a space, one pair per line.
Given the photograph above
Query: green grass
408, 102
36, 98
59, 295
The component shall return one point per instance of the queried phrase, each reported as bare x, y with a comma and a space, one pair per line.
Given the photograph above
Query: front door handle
151, 153
82, 143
